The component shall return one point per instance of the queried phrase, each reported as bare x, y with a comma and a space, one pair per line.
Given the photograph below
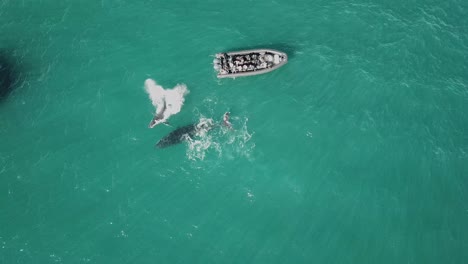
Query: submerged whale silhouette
183, 133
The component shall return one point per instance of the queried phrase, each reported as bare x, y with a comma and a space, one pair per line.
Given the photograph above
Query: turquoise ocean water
356, 151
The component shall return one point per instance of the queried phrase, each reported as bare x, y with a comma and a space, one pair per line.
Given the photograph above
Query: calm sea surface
356, 151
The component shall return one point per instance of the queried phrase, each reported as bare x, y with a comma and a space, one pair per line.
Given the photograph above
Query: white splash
202, 141
168, 102
220, 140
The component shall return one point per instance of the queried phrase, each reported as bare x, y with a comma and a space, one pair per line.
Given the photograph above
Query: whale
177, 136
167, 102
158, 117
184, 133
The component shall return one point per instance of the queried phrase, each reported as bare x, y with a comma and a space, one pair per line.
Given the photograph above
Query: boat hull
248, 62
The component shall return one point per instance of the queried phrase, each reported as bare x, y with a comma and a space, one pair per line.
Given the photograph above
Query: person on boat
226, 120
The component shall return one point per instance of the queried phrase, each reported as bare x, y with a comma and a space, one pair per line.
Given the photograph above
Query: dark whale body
8, 74
177, 136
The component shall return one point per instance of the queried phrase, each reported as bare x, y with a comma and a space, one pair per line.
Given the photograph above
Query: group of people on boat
244, 63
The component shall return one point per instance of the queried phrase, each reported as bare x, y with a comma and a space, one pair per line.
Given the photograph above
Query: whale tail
226, 122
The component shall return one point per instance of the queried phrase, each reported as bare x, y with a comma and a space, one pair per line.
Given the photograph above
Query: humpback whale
8, 74
183, 133
168, 102
158, 117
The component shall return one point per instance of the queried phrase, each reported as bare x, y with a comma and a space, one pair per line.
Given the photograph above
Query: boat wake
168, 102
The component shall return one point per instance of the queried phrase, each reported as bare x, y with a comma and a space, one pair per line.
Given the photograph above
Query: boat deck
248, 62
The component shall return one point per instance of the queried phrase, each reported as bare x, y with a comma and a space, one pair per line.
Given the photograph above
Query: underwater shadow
8, 74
